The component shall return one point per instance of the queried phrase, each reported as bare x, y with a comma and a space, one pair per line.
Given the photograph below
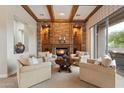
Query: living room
64, 43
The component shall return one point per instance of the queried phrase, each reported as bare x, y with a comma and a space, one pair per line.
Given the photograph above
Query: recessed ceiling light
41, 14
61, 14
77, 14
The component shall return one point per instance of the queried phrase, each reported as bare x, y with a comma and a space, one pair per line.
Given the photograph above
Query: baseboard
3, 76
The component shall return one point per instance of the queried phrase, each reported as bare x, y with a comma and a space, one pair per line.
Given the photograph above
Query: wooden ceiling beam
93, 12
73, 12
51, 12
30, 12
61, 21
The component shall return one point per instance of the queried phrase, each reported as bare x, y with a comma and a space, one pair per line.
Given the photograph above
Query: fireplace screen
60, 51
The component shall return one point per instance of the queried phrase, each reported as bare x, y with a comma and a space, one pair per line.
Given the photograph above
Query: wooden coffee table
64, 65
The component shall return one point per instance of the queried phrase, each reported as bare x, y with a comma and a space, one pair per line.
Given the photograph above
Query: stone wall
39, 43
61, 30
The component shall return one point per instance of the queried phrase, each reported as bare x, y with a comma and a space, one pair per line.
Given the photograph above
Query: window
100, 38
116, 37
108, 34
116, 31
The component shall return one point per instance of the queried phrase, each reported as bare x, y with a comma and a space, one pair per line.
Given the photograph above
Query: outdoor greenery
116, 39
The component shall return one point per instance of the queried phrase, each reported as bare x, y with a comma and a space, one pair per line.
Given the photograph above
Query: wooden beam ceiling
60, 20
30, 12
51, 12
93, 12
73, 12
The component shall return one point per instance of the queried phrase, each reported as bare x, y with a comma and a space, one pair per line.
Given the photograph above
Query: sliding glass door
108, 34
92, 41
100, 38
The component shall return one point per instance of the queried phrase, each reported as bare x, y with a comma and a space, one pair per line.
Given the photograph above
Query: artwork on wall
19, 48
20, 37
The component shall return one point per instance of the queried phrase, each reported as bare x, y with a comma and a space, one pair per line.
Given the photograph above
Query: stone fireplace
60, 35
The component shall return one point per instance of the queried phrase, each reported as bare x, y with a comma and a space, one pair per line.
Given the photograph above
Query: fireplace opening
62, 54
61, 51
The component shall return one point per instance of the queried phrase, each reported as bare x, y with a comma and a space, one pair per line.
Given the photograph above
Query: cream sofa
28, 76
98, 75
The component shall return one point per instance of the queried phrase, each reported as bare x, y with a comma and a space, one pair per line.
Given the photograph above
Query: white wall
19, 13
3, 43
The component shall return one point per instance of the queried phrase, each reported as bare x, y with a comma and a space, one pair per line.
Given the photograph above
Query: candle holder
62, 40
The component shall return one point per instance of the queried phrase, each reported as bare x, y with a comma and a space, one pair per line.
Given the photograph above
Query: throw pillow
98, 61
77, 53
24, 61
106, 61
34, 60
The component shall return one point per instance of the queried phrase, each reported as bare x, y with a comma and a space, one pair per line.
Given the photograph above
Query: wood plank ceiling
61, 13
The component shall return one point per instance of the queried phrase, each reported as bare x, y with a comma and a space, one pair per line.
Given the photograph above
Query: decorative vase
19, 48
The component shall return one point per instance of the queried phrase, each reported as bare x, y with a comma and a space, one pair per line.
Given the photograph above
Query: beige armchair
75, 60
79, 57
28, 76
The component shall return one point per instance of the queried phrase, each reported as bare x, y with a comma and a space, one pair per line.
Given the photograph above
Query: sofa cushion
98, 61
106, 61
78, 53
35, 67
40, 60
75, 58
97, 68
24, 61
42, 54
92, 61
34, 60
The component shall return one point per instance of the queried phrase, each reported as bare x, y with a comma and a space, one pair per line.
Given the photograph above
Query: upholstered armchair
75, 60
79, 57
